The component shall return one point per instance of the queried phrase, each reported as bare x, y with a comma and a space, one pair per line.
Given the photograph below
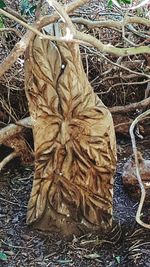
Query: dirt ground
126, 245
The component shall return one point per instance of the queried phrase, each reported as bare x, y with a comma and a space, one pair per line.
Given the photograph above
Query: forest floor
126, 245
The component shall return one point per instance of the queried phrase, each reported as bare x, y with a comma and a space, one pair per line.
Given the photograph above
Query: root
7, 159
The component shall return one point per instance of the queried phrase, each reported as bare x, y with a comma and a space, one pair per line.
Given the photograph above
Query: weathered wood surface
75, 149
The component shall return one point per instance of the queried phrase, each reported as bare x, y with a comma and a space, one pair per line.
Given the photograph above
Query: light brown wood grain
75, 149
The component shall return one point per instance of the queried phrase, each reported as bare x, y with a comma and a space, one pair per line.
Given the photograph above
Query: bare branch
143, 193
69, 8
13, 129
21, 46
85, 38
94, 41
16, 52
7, 159
14, 13
111, 23
110, 48
123, 109
64, 16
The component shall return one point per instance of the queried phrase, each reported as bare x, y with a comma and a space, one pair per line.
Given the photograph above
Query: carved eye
63, 66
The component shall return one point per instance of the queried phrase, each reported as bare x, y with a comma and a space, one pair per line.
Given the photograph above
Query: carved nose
64, 132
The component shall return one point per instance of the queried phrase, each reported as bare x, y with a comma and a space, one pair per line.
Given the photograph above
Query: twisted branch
143, 193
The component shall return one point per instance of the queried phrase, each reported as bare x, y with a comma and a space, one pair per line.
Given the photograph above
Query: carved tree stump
75, 150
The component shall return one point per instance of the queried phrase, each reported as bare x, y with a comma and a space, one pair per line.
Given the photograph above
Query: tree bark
75, 149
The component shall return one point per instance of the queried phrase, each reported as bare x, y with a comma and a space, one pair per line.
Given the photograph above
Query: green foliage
119, 2
118, 259
109, 3
3, 256
2, 4
126, 1
2, 25
27, 8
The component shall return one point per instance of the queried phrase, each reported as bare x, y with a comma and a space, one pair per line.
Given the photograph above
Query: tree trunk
75, 149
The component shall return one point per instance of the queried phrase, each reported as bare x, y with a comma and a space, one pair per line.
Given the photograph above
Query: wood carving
75, 149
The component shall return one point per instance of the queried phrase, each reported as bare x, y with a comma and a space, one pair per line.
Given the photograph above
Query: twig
122, 124
122, 83
11, 30
138, 33
147, 90
125, 77
115, 63
143, 193
13, 246
8, 201
96, 241
123, 30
